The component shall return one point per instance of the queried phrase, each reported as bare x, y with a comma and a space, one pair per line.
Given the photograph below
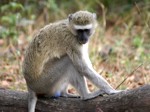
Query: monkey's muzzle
83, 38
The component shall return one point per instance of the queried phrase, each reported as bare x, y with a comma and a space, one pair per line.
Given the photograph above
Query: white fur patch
85, 55
89, 26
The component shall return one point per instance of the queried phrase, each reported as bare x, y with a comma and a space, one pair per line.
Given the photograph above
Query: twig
103, 13
128, 76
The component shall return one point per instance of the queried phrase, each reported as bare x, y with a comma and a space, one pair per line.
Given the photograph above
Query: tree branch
135, 100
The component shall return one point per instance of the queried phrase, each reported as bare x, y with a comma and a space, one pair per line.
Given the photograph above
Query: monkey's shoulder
56, 26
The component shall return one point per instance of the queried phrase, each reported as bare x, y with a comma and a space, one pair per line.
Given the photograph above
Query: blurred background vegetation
121, 42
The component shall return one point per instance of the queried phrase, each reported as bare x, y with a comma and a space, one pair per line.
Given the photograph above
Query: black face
83, 35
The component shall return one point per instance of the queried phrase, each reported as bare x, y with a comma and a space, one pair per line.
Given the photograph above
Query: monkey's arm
83, 65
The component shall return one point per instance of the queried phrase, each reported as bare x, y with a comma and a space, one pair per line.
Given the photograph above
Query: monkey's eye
83, 30
87, 31
80, 30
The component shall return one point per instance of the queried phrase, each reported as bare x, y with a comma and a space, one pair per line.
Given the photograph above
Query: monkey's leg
60, 72
32, 100
57, 79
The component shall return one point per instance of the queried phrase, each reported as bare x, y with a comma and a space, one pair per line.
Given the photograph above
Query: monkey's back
48, 44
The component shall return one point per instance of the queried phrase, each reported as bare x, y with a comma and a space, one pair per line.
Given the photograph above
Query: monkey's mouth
82, 40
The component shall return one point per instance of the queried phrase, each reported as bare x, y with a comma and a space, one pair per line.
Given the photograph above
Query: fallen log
135, 100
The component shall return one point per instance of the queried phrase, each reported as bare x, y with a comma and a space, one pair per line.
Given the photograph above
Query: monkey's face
82, 25
83, 35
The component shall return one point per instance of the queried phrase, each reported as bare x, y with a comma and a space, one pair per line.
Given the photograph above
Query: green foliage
137, 41
12, 6
52, 5
10, 19
11, 14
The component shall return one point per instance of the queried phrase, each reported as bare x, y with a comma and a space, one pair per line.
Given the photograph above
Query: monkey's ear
94, 15
70, 17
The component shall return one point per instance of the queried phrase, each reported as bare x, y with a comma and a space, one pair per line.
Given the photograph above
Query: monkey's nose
83, 41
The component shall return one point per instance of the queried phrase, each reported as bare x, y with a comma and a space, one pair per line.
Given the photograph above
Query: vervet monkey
58, 56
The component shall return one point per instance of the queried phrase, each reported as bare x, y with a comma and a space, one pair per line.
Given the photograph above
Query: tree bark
135, 100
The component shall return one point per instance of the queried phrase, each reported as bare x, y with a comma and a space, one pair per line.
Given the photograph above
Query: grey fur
55, 59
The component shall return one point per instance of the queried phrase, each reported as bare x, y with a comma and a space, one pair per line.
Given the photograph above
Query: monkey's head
82, 24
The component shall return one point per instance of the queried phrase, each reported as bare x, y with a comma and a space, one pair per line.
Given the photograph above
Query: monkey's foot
111, 92
68, 95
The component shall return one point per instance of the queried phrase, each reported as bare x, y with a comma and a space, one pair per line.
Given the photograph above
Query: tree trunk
135, 100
